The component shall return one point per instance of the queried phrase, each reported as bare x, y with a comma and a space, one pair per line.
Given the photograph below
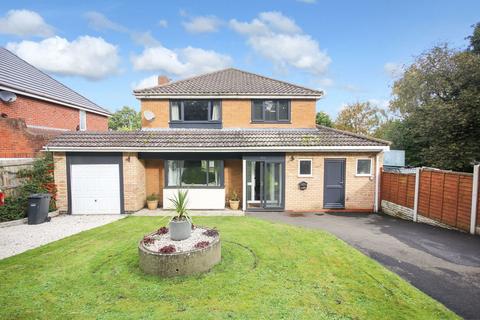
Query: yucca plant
180, 202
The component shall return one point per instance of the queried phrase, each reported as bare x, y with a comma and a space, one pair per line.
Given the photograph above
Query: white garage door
95, 188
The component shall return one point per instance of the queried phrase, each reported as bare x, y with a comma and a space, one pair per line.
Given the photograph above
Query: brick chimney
163, 80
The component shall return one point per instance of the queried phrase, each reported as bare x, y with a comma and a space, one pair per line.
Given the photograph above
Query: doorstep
194, 213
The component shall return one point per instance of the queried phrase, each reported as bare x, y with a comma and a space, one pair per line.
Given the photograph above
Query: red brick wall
17, 142
47, 114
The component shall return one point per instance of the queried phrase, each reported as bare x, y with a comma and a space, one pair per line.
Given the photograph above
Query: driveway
444, 264
20, 238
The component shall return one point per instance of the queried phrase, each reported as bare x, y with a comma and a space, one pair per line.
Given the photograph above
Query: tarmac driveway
442, 263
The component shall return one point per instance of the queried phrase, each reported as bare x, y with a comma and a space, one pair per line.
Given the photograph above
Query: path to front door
442, 263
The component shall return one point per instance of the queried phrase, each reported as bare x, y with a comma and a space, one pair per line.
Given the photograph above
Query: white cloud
326, 82
98, 21
180, 62
148, 82
86, 56
163, 23
393, 70
25, 23
202, 24
279, 39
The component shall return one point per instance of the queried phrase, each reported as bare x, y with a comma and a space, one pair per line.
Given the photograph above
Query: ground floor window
194, 173
364, 167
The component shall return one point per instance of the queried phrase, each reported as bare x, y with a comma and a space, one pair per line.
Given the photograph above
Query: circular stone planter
184, 261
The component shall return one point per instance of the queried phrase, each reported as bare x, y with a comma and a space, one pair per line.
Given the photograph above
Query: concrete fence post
473, 212
417, 192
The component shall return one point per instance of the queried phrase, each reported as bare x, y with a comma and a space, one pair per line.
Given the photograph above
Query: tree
125, 119
360, 117
322, 118
438, 102
475, 39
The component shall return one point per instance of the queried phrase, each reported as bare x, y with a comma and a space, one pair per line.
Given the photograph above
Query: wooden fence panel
444, 196
9, 180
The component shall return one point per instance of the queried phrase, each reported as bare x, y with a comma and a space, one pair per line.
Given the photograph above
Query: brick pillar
60, 176
134, 186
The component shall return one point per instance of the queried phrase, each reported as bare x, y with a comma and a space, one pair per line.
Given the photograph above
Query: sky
352, 50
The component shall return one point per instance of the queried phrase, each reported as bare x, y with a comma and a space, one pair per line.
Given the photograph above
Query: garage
95, 183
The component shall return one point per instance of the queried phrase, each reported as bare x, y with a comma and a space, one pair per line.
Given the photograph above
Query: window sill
363, 175
270, 122
195, 187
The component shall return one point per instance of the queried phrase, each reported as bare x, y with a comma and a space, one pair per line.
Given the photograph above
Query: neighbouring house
217, 133
34, 107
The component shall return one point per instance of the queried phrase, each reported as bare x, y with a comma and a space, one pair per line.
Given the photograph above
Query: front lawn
268, 271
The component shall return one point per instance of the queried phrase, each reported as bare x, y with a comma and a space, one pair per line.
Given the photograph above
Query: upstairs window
83, 120
201, 112
270, 111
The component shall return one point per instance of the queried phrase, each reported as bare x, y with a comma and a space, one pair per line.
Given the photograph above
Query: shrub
211, 233
148, 240
38, 179
162, 230
201, 244
152, 197
167, 249
234, 195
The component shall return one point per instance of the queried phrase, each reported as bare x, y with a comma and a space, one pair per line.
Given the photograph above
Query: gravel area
182, 245
20, 238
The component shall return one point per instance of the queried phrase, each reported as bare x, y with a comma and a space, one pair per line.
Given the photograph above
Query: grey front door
334, 183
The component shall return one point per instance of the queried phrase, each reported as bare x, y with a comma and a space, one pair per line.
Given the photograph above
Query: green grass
268, 271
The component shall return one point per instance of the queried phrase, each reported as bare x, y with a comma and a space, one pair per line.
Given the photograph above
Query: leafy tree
360, 117
475, 39
438, 100
125, 119
322, 118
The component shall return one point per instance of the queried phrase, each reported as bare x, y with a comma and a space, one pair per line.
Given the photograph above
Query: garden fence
9, 180
445, 198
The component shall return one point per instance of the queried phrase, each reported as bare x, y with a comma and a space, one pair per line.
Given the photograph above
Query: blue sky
350, 49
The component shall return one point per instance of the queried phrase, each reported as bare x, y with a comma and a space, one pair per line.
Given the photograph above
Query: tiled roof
16, 74
229, 82
212, 138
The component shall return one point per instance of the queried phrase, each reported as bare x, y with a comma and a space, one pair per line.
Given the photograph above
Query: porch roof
219, 140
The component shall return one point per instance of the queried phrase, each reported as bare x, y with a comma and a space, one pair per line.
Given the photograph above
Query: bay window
270, 111
194, 173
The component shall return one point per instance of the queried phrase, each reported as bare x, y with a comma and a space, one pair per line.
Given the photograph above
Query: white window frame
84, 126
311, 168
364, 174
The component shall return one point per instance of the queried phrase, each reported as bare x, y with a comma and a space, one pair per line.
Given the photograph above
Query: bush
38, 179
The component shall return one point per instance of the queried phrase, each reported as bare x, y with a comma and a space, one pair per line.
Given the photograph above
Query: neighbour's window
195, 110
305, 167
270, 111
364, 167
83, 120
194, 173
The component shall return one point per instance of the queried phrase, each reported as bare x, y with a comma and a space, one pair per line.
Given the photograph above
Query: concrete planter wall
179, 263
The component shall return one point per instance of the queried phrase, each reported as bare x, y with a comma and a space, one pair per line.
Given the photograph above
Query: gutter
222, 149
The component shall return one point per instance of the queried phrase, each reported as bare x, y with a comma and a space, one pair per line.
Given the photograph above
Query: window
83, 120
270, 111
305, 167
194, 111
364, 167
194, 173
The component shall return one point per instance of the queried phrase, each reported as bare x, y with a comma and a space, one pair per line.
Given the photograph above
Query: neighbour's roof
204, 139
229, 83
22, 78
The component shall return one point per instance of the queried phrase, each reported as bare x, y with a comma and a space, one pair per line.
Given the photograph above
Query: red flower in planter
167, 249
211, 233
202, 244
148, 240
162, 230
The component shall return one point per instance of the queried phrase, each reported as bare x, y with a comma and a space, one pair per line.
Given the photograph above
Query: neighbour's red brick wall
17, 142
47, 114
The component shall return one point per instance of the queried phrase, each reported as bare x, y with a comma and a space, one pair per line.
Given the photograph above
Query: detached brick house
215, 133
34, 107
